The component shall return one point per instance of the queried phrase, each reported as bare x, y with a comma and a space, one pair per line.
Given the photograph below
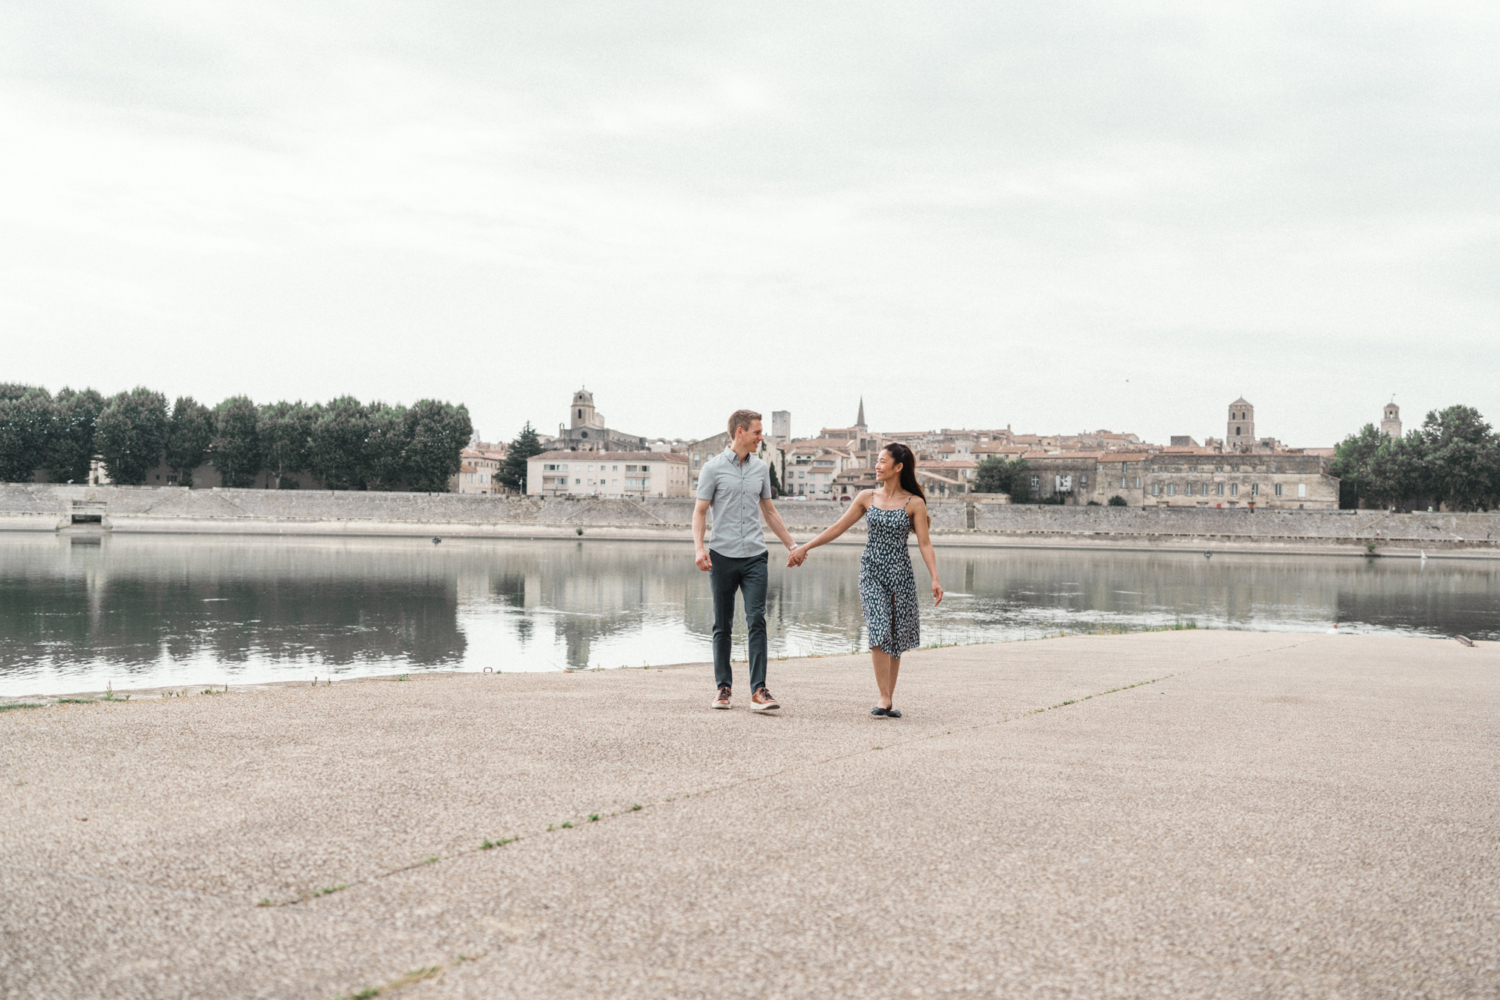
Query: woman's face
887, 469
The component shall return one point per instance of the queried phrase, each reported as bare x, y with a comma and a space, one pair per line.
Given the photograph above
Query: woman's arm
854, 513
920, 522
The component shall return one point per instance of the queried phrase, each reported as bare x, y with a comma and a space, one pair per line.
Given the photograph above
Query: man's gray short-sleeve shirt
734, 492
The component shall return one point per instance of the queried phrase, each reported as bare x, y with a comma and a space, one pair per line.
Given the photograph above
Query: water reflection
159, 610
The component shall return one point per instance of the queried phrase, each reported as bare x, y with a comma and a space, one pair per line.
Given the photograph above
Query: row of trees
1453, 459
347, 444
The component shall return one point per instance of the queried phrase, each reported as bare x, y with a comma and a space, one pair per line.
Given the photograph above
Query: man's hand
704, 563
797, 556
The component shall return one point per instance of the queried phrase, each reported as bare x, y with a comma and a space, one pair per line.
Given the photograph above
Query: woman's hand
937, 593
796, 555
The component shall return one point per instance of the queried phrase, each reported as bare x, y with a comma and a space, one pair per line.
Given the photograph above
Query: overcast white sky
1053, 216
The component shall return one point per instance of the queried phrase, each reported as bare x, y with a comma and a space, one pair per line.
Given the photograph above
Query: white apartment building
811, 468
608, 473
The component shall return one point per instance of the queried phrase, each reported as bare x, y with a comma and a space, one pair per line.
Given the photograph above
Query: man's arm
700, 522
778, 527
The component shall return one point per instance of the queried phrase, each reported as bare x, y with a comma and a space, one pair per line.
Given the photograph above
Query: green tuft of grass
403, 677
21, 704
75, 701
490, 844
331, 890
265, 902
593, 817
567, 825
430, 859
636, 807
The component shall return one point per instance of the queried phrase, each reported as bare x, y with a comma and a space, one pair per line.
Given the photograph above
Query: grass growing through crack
489, 844
636, 807
593, 817
330, 890
414, 976
21, 704
265, 902
567, 824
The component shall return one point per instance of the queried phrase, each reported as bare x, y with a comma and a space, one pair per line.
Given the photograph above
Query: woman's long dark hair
902, 455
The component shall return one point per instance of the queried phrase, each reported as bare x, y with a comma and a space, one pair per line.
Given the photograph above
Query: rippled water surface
142, 611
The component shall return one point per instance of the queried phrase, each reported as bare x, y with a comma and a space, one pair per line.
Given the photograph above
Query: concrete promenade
1179, 814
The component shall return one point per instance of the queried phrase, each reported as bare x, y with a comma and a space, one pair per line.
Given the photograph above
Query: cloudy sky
1052, 216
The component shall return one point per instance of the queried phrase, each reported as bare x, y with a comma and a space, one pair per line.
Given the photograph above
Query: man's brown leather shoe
722, 701
762, 701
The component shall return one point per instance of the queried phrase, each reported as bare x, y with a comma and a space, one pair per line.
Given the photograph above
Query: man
736, 485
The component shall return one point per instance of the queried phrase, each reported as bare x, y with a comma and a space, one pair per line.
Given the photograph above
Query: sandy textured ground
1258, 815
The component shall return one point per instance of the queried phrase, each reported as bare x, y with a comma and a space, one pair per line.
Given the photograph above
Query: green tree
387, 441
995, 475
1460, 462
1352, 459
336, 455
285, 431
132, 434
190, 433
75, 418
438, 433
525, 446
237, 451
26, 425
1118, 501
776, 490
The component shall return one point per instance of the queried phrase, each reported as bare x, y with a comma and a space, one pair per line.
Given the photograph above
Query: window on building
1219, 489
1278, 489
1301, 491
1137, 482
1255, 489
1234, 489
1171, 489
1036, 483
1083, 482
1156, 489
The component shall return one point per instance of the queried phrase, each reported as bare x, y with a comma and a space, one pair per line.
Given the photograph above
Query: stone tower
859, 421
1239, 435
583, 414
781, 425
1390, 423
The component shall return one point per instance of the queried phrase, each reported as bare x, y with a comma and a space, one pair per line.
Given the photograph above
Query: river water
145, 611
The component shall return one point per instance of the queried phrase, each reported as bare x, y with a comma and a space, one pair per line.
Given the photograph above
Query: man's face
748, 438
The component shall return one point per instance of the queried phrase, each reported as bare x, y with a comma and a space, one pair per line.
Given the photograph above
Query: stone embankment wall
124, 509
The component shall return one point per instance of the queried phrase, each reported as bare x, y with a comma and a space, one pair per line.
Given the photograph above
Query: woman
887, 590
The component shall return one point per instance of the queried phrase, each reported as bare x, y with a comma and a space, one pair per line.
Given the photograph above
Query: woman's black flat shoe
877, 711
892, 713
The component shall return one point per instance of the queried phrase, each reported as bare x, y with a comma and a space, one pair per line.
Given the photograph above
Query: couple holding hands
736, 486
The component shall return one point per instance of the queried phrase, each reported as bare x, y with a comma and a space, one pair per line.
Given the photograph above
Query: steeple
860, 421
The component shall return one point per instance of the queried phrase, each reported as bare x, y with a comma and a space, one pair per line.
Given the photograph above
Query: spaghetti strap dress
887, 589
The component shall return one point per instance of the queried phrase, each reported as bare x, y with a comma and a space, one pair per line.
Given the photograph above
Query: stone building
1390, 423
622, 473
587, 431
1202, 478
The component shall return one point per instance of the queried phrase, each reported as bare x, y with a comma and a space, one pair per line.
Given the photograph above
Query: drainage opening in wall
88, 519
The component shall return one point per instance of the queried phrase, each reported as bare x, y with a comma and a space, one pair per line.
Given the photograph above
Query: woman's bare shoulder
863, 498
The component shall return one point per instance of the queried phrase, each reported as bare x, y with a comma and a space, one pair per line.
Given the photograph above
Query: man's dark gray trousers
747, 575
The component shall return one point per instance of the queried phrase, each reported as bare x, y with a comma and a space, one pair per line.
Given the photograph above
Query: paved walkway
1183, 814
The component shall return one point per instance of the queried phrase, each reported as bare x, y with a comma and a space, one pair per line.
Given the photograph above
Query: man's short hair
742, 419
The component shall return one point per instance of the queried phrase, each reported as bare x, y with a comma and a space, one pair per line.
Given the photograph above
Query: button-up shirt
734, 492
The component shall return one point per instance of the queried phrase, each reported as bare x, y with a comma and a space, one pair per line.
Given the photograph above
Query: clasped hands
796, 555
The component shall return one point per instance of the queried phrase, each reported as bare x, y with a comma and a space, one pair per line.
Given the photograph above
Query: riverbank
1187, 813
175, 510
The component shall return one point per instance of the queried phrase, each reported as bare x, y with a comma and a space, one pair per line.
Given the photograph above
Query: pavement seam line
465, 852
